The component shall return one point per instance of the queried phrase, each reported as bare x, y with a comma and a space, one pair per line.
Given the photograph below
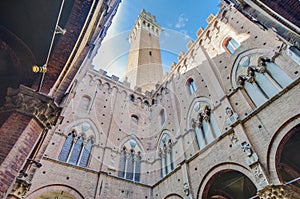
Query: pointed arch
130, 160
259, 76
78, 144
59, 188
202, 122
191, 86
165, 151
210, 175
282, 134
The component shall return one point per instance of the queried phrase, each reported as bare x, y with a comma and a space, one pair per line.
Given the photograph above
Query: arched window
130, 161
204, 124
260, 78
131, 98
230, 45
162, 117
191, 86
146, 103
135, 119
65, 151
77, 150
166, 154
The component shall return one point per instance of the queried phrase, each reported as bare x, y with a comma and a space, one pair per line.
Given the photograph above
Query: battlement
145, 21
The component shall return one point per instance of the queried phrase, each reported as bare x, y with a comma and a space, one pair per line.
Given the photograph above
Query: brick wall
17, 138
66, 44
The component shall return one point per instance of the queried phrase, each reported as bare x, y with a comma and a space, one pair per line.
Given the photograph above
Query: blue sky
179, 20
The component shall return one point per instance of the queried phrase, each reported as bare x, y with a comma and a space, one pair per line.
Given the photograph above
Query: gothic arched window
76, 149
135, 119
191, 86
230, 45
203, 123
166, 154
130, 161
260, 78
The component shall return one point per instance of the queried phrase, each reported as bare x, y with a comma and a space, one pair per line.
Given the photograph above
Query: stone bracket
32, 103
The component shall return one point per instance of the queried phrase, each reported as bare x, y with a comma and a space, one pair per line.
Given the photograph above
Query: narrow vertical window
191, 86
122, 163
76, 151
166, 154
162, 117
231, 45
65, 151
130, 166
137, 168
85, 154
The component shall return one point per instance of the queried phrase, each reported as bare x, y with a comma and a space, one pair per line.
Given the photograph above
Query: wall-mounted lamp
39, 69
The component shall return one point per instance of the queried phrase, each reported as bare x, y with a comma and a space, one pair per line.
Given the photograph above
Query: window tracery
130, 161
166, 154
76, 149
203, 123
261, 78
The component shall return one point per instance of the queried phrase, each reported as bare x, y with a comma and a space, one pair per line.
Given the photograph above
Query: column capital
277, 191
32, 103
20, 188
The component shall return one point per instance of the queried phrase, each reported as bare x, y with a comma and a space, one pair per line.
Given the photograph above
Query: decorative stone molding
259, 175
32, 103
251, 156
277, 191
186, 189
232, 117
251, 70
253, 162
20, 188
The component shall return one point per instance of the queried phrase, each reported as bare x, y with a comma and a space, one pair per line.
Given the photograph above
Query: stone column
24, 118
200, 138
163, 163
168, 159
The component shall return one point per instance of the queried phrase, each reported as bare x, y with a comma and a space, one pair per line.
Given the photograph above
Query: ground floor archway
229, 184
287, 159
55, 192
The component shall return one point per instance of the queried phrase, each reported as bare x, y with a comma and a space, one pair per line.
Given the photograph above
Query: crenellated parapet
147, 22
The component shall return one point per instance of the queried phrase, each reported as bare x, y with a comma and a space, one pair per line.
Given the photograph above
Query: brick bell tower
144, 68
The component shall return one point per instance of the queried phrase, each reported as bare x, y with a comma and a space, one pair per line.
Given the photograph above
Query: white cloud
186, 35
181, 21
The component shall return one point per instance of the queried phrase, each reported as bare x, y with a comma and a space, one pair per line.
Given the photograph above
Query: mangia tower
144, 68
